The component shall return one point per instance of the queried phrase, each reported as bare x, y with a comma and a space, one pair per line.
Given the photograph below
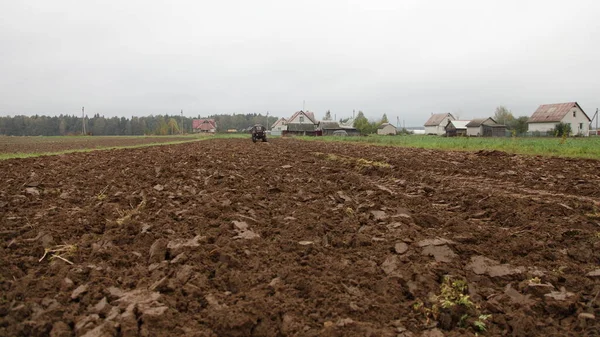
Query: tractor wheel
254, 139
264, 139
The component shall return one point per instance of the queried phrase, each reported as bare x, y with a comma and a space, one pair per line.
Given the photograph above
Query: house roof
204, 124
310, 115
384, 125
459, 124
281, 121
479, 121
436, 119
547, 113
299, 127
324, 125
348, 123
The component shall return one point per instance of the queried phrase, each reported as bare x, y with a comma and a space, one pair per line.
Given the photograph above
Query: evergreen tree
384, 119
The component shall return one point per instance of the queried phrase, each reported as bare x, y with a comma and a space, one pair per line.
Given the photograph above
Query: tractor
259, 133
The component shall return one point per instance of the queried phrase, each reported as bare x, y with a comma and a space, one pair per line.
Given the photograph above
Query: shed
327, 128
456, 128
485, 127
386, 129
300, 129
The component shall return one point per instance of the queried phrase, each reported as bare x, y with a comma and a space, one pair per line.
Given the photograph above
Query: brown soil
292, 238
9, 144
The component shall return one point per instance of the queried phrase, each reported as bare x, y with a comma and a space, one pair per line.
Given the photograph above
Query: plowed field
289, 238
59, 144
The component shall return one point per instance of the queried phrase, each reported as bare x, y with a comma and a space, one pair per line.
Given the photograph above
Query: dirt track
291, 238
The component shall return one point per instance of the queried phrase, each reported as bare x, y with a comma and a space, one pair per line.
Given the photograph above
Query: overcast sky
405, 58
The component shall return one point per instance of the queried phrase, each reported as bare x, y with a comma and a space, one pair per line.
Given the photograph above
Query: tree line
64, 125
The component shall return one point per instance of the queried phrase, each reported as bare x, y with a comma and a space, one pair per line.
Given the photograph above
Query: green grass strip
583, 147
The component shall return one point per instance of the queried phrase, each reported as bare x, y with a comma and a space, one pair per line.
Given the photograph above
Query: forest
97, 125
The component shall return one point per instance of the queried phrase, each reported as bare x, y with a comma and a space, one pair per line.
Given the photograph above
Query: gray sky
404, 58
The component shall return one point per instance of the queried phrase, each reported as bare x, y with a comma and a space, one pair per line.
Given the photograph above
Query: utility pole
596, 121
181, 131
83, 120
267, 121
397, 122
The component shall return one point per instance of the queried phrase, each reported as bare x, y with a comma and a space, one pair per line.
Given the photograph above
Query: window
301, 119
574, 113
580, 126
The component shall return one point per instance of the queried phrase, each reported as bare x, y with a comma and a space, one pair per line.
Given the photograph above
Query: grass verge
588, 147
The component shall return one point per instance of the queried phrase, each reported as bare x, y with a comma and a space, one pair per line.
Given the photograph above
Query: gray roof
384, 125
436, 119
478, 121
300, 127
459, 124
324, 125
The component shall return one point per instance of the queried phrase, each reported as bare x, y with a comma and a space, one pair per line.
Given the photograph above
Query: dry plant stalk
57, 250
126, 215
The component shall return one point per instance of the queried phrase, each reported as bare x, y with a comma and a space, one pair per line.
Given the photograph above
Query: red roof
205, 124
549, 113
436, 119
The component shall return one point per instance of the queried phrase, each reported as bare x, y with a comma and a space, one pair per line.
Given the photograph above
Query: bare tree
503, 116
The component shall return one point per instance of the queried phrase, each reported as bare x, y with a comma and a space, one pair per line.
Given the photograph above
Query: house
436, 124
332, 128
456, 128
546, 117
486, 127
386, 129
302, 123
278, 127
206, 125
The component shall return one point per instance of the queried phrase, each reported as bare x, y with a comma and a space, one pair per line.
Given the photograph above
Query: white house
301, 123
436, 124
386, 129
547, 116
279, 126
